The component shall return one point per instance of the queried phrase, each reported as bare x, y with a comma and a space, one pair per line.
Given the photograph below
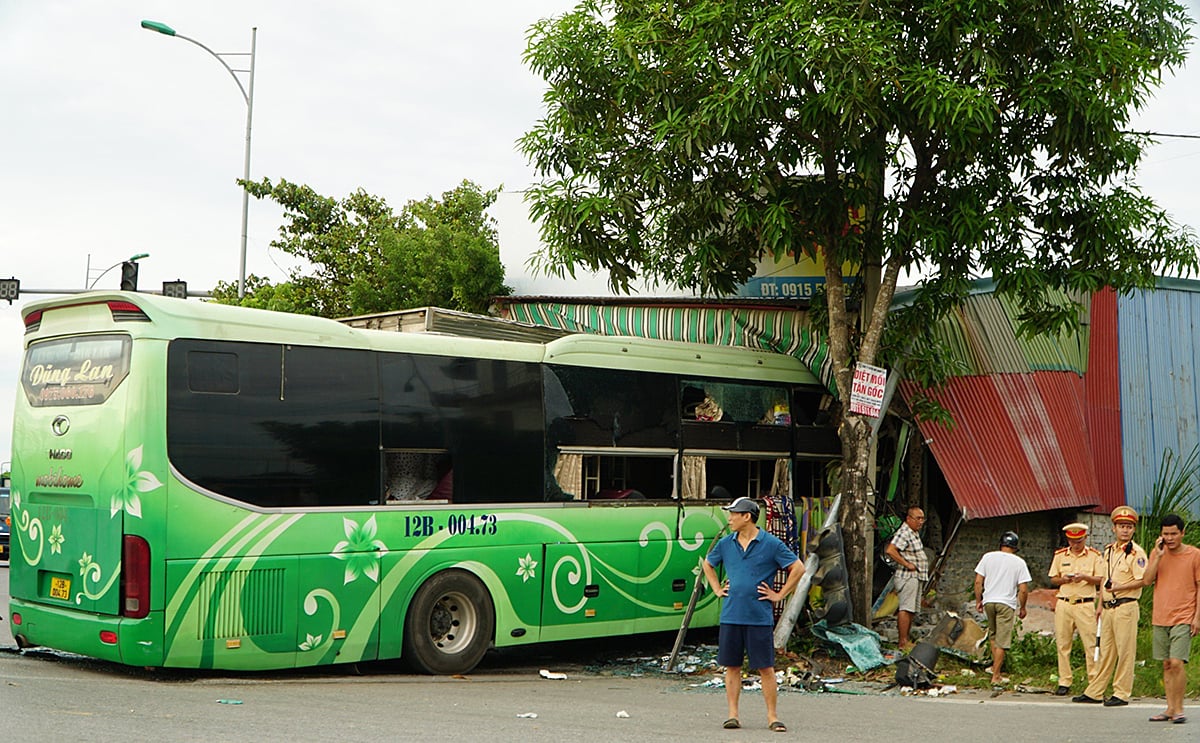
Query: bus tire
450, 624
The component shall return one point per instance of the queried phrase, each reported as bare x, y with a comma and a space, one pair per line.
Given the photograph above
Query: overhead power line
1165, 134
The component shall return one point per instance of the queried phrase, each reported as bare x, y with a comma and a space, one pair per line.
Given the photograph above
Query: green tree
361, 257
684, 140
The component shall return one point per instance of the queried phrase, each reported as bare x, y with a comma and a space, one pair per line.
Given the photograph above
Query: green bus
204, 486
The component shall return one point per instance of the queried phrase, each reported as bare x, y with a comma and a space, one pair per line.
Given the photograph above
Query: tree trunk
858, 522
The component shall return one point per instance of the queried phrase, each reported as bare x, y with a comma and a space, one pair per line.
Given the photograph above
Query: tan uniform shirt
1124, 567
1089, 562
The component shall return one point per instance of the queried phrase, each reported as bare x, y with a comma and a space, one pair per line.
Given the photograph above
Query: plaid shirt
908, 542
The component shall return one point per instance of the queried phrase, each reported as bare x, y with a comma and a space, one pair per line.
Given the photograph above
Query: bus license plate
60, 588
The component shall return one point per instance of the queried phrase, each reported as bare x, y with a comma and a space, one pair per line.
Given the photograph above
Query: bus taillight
135, 575
33, 321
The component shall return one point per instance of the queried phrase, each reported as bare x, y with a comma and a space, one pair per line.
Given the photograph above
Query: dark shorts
1172, 642
739, 640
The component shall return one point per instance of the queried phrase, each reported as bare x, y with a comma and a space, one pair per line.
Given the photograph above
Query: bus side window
624, 478
418, 475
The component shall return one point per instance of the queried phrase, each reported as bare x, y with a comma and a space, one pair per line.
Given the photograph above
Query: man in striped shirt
912, 570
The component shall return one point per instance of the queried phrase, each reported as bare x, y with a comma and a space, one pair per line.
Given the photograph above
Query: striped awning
784, 330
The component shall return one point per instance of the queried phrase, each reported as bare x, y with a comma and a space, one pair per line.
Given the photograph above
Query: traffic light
129, 270
10, 289
834, 605
176, 289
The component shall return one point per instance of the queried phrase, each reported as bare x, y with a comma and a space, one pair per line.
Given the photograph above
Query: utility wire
1164, 134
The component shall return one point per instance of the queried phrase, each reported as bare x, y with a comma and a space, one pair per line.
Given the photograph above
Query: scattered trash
932, 691
963, 636
838, 680
552, 675
623, 714
457, 676
528, 715
229, 701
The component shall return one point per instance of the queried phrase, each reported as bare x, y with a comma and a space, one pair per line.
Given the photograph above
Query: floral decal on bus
56, 539
311, 641
91, 572
527, 567
29, 530
360, 550
137, 480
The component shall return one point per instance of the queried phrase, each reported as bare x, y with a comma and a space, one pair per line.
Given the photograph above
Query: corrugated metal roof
1103, 385
1019, 444
982, 332
454, 322
1159, 404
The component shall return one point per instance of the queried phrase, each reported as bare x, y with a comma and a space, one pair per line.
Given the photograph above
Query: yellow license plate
60, 588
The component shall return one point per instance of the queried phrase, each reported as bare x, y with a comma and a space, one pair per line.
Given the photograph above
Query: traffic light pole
24, 291
795, 604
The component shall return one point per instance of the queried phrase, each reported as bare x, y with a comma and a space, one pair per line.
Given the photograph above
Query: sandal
779, 727
1178, 719
731, 724
1161, 717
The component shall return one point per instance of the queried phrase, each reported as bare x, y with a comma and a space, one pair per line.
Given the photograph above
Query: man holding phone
1174, 570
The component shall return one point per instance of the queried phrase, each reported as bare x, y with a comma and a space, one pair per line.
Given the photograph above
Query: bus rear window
75, 371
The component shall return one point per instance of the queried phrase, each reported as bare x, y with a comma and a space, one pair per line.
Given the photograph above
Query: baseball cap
743, 505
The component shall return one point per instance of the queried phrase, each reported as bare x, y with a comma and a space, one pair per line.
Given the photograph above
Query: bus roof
175, 318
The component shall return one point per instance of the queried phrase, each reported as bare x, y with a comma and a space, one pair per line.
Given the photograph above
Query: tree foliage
950, 139
361, 257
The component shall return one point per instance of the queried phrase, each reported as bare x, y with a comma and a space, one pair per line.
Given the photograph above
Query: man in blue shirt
751, 557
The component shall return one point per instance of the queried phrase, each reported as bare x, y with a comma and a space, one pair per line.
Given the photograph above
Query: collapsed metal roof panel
1019, 444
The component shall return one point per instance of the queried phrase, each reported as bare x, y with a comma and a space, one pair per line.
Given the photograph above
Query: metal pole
791, 610
246, 169
248, 96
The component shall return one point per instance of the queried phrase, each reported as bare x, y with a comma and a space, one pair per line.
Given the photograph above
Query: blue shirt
746, 569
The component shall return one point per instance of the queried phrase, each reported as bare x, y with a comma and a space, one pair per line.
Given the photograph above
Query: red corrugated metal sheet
1020, 443
1103, 389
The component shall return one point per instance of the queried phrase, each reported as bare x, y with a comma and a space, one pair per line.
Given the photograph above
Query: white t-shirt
1002, 572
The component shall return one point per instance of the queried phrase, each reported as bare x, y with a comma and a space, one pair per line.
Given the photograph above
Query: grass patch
1033, 661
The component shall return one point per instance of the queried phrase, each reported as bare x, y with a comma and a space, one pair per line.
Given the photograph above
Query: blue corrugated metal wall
1158, 356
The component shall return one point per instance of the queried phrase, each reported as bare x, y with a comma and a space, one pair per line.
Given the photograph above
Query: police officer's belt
1077, 601
1114, 603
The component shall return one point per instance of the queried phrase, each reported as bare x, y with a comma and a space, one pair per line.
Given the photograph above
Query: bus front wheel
449, 625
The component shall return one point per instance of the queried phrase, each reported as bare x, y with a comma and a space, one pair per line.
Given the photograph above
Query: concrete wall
1041, 534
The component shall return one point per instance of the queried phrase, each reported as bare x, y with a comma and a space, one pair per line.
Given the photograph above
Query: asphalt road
46, 696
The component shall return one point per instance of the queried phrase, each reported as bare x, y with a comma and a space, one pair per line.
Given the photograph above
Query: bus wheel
450, 624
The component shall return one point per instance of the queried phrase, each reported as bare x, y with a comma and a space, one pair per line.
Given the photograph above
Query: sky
115, 140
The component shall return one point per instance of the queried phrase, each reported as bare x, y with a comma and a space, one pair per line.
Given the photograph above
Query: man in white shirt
1001, 589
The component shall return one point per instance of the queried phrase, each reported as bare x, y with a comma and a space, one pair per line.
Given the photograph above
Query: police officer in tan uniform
1125, 564
1078, 571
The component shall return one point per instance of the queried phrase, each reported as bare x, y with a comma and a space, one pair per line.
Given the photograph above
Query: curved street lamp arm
236, 79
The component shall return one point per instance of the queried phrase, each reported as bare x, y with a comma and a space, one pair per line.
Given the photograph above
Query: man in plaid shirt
912, 570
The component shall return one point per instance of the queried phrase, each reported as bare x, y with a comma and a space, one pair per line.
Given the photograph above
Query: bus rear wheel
450, 624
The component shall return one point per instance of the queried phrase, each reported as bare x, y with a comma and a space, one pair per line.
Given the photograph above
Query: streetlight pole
248, 96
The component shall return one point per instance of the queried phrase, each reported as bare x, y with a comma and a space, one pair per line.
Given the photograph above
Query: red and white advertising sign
866, 396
